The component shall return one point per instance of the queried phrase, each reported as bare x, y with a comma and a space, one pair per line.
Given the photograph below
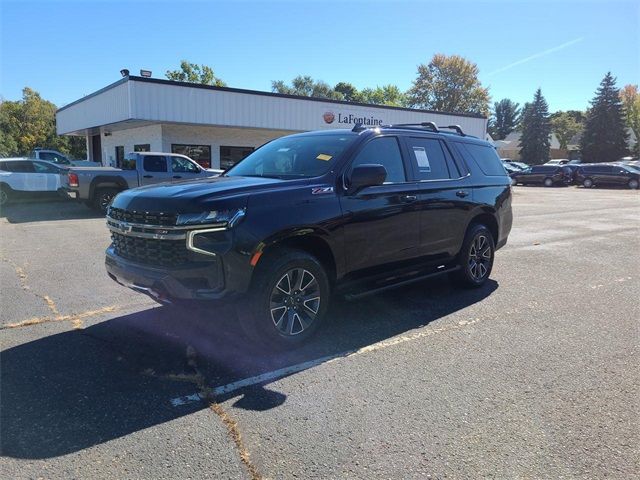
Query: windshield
291, 157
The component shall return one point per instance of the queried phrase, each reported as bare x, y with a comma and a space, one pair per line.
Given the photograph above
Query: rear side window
431, 159
19, 167
154, 163
386, 152
485, 157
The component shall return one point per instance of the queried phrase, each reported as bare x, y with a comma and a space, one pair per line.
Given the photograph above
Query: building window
119, 156
229, 156
143, 147
201, 154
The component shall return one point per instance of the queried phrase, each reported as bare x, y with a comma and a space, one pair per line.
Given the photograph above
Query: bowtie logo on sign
329, 117
351, 119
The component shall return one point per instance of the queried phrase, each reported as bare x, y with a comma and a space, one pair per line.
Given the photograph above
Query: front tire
633, 184
548, 182
587, 183
103, 199
476, 257
287, 301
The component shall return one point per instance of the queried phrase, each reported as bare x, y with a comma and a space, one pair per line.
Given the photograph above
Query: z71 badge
321, 190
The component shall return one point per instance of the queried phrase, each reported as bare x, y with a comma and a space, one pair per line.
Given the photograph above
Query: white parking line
283, 372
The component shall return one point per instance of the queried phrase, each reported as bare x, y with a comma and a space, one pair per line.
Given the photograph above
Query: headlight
229, 217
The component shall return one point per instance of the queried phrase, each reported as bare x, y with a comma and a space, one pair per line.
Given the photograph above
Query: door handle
408, 198
177, 176
147, 176
462, 193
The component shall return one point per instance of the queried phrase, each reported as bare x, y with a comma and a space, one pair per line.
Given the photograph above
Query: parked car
519, 165
574, 170
558, 161
97, 186
21, 177
608, 174
351, 212
547, 175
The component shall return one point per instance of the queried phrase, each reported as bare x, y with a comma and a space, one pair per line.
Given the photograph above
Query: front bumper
194, 281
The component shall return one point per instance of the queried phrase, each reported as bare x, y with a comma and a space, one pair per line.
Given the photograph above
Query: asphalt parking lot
533, 376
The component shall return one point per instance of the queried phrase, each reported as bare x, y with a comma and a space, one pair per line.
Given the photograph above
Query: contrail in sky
536, 55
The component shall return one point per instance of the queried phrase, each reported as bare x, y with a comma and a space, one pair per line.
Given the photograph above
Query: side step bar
366, 293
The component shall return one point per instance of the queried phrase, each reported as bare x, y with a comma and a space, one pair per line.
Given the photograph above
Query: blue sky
65, 50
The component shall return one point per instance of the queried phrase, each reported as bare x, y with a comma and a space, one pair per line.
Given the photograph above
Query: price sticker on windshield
324, 157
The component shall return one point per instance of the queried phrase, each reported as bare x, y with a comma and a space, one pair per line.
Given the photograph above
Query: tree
449, 84
194, 73
605, 138
385, 95
504, 119
348, 91
306, 86
534, 141
31, 122
565, 127
631, 102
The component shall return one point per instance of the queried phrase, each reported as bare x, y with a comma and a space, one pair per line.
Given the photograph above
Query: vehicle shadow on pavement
39, 210
69, 391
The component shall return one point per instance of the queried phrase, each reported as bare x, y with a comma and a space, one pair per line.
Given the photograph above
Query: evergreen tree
536, 128
504, 118
605, 138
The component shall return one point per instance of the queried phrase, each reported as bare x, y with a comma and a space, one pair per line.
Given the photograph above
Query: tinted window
180, 164
543, 169
386, 152
53, 157
129, 162
430, 158
41, 167
19, 167
154, 163
485, 157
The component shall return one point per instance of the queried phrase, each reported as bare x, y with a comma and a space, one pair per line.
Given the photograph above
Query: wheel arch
488, 218
106, 181
311, 242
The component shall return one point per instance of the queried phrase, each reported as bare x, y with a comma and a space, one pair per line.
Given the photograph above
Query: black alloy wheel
295, 301
476, 256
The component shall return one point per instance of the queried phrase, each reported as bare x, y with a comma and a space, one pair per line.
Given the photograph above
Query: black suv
351, 212
607, 174
547, 175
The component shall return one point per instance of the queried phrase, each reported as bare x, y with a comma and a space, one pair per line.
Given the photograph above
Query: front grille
144, 218
166, 253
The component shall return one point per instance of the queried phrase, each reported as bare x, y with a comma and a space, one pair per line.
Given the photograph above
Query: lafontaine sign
351, 119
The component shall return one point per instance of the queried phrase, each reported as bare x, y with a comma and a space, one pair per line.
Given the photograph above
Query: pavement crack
22, 278
207, 395
76, 319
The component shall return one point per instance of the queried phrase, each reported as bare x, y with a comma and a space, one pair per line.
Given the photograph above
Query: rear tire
587, 183
475, 258
103, 198
633, 184
5, 195
287, 301
548, 182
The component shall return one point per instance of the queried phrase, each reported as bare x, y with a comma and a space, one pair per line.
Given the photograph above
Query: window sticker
324, 158
422, 159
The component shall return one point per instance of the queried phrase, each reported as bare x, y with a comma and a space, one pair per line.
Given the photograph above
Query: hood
191, 196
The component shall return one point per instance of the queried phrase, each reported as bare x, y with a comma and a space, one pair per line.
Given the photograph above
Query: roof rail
431, 126
457, 128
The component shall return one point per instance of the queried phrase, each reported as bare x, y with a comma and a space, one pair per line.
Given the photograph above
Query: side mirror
366, 175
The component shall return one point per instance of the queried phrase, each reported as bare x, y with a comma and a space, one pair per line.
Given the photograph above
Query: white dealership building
216, 125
